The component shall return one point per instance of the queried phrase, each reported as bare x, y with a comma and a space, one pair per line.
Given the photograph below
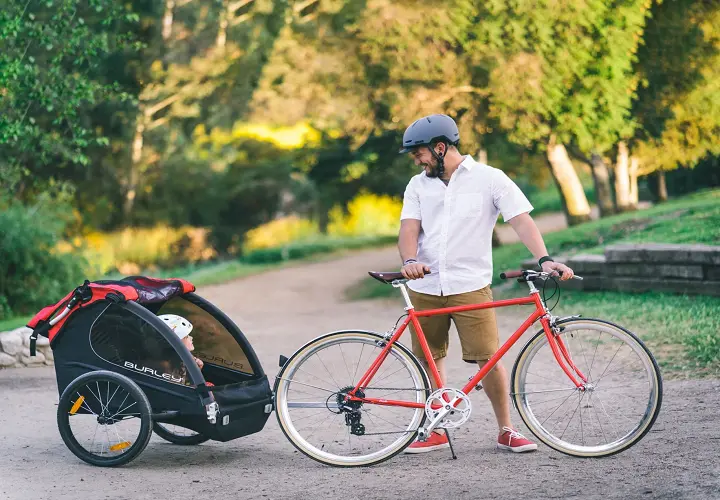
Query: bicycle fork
562, 354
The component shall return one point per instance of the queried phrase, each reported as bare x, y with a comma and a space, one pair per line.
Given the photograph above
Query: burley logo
151, 371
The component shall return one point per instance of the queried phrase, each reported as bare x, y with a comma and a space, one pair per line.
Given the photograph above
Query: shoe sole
517, 449
427, 448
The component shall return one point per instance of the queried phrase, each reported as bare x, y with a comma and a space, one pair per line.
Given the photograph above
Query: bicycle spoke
613, 410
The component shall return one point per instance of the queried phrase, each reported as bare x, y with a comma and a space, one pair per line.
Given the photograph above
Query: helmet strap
440, 160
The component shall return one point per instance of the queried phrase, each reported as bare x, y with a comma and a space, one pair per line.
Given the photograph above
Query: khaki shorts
477, 329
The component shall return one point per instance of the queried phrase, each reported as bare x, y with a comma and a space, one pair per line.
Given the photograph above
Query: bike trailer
117, 363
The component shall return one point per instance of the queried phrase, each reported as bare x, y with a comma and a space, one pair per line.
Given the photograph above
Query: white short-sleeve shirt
457, 222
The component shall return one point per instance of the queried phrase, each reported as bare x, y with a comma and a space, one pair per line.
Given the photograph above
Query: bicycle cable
557, 290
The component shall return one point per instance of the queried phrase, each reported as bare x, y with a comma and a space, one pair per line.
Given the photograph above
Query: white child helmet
178, 324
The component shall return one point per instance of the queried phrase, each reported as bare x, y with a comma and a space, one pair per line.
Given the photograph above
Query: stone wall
688, 269
15, 349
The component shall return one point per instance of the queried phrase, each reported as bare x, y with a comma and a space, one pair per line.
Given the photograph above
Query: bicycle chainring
453, 402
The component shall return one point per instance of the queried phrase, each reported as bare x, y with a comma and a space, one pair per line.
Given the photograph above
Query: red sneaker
436, 441
512, 440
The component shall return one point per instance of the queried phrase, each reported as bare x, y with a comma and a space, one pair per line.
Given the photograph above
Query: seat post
403, 290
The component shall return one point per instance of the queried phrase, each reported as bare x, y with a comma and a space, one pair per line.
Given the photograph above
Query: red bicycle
584, 387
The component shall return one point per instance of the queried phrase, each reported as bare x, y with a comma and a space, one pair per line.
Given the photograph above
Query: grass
684, 329
12, 323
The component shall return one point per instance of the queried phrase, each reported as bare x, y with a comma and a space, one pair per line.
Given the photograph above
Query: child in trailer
182, 328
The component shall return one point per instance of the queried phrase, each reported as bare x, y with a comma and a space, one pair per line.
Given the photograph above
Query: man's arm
407, 245
529, 234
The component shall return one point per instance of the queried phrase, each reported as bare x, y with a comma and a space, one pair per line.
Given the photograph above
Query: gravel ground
281, 310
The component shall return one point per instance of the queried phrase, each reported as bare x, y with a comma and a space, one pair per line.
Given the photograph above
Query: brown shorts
477, 329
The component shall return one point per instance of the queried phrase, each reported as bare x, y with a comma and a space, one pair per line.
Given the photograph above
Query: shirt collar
468, 163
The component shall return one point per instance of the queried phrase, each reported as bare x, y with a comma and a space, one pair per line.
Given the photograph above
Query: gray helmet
429, 129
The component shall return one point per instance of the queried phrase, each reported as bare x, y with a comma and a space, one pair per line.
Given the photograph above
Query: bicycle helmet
178, 324
428, 131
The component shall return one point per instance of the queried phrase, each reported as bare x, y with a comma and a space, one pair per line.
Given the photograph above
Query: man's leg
440, 363
479, 339
495, 384
435, 330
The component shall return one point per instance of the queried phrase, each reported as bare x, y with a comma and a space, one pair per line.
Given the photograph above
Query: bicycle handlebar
531, 275
510, 274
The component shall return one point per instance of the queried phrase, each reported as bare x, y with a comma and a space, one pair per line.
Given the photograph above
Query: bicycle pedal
479, 385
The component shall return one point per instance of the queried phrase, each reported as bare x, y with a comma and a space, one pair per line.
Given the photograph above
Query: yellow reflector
77, 405
120, 446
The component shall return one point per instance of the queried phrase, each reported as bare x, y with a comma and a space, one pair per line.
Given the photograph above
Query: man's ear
440, 149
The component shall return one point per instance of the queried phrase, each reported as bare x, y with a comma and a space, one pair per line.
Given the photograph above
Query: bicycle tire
178, 439
520, 401
67, 407
291, 367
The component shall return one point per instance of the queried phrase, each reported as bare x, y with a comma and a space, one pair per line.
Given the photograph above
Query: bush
280, 232
367, 214
33, 271
132, 250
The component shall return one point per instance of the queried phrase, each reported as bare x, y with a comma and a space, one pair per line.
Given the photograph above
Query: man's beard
433, 170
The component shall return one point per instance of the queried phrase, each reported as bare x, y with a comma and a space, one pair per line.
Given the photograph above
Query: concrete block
587, 264
6, 360
712, 273
11, 342
663, 253
36, 360
652, 271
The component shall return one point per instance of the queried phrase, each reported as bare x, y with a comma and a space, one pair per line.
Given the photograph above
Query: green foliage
678, 103
33, 273
50, 81
562, 70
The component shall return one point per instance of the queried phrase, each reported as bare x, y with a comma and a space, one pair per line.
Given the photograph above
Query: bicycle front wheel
618, 405
310, 391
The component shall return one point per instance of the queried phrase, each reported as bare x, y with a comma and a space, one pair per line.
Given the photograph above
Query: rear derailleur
351, 409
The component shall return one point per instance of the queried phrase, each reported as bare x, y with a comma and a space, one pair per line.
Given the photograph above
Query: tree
678, 103
51, 80
532, 53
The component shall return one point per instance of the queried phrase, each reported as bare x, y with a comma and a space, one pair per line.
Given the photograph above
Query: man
449, 212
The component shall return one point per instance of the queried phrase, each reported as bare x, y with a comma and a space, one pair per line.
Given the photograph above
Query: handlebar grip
511, 274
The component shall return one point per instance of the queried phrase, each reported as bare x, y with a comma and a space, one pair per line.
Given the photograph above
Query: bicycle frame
557, 345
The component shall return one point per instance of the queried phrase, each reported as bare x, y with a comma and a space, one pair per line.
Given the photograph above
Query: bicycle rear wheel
178, 435
309, 395
617, 408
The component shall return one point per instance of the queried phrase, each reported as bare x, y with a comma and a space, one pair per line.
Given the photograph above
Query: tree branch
163, 104
578, 154
158, 122
238, 5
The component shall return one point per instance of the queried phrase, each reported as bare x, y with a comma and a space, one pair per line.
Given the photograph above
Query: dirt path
281, 310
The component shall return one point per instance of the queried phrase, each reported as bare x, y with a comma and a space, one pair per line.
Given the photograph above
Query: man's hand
414, 270
199, 362
555, 268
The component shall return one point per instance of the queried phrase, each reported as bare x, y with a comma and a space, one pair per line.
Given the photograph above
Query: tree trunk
168, 19
134, 173
222, 26
622, 178
633, 178
662, 194
575, 204
603, 190
482, 156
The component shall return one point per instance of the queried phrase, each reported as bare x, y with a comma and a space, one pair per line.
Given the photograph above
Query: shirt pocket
468, 206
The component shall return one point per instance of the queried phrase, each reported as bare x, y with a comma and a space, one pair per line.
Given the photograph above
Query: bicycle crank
447, 408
